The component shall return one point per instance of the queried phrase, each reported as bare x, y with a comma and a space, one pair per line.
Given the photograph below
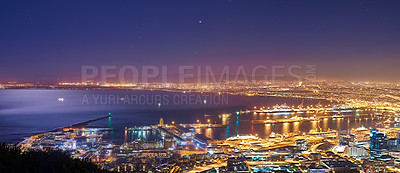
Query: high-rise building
378, 140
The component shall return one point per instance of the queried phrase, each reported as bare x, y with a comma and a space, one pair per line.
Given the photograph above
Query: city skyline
200, 86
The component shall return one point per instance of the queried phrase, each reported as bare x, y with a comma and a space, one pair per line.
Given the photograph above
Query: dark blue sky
51, 40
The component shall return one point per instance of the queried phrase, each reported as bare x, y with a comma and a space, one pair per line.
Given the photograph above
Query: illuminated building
378, 140
355, 151
373, 166
393, 143
161, 122
317, 169
340, 165
301, 144
237, 165
169, 141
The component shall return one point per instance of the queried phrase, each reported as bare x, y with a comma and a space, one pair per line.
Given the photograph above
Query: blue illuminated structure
378, 140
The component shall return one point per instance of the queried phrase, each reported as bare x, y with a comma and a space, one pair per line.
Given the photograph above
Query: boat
277, 109
342, 108
337, 116
362, 128
272, 135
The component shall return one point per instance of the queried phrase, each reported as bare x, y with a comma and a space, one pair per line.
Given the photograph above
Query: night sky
51, 40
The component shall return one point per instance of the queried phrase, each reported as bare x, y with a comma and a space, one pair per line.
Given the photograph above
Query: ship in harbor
283, 108
341, 108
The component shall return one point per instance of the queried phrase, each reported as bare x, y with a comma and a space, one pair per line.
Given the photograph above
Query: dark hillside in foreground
13, 161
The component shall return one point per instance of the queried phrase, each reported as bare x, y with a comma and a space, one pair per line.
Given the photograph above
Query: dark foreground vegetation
13, 161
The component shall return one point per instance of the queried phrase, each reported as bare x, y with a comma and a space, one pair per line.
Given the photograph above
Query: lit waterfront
251, 152
258, 133
22, 106
261, 134
256, 124
137, 115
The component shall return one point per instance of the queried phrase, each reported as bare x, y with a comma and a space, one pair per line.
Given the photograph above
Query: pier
302, 119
